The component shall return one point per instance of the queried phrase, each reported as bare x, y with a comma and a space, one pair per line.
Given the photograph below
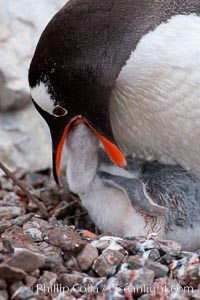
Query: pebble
4, 295
160, 270
66, 238
61, 210
23, 293
153, 254
188, 275
6, 184
11, 211
144, 297
70, 280
173, 245
19, 221
11, 198
86, 257
11, 274
26, 260
101, 244
2, 193
136, 281
30, 280
3, 284
147, 245
107, 262
195, 294
53, 257
37, 223
5, 225
166, 259
97, 282
16, 237
48, 279
15, 286
50, 251
35, 234
131, 245
135, 262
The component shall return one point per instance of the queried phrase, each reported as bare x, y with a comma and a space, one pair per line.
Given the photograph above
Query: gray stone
144, 297
35, 234
3, 284
136, 281
6, 184
11, 274
26, 260
4, 225
48, 279
37, 223
195, 295
19, 221
107, 262
153, 254
135, 262
159, 269
188, 275
61, 210
50, 251
11, 211
66, 238
4, 295
30, 280
86, 257
23, 293
63, 296
11, 199
171, 244
14, 286
131, 245
96, 282
70, 280
2, 192
101, 244
16, 237
166, 259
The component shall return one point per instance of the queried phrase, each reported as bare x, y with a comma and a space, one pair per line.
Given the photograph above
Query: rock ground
53, 258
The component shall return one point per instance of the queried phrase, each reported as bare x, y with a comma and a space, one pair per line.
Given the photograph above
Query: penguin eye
59, 111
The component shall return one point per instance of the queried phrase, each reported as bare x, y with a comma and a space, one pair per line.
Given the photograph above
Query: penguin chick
150, 197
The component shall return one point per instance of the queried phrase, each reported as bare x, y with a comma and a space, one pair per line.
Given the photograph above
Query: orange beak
112, 150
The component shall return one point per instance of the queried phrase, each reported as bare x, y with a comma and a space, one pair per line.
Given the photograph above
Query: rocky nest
47, 254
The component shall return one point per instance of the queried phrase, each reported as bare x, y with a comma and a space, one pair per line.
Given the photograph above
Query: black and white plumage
130, 69
131, 203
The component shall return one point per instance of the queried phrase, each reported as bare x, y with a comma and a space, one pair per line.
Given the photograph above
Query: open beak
113, 151
59, 131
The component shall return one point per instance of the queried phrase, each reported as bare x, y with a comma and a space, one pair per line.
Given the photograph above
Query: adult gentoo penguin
150, 197
130, 70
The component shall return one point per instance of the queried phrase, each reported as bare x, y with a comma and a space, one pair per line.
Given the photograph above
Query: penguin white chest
155, 105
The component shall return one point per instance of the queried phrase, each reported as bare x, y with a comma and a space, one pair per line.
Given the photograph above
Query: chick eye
59, 111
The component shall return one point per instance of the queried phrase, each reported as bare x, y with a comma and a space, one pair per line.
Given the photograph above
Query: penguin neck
82, 158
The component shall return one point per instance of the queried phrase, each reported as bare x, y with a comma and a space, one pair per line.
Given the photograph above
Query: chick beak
112, 150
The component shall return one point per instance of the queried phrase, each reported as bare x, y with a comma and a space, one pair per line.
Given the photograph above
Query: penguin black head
70, 79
